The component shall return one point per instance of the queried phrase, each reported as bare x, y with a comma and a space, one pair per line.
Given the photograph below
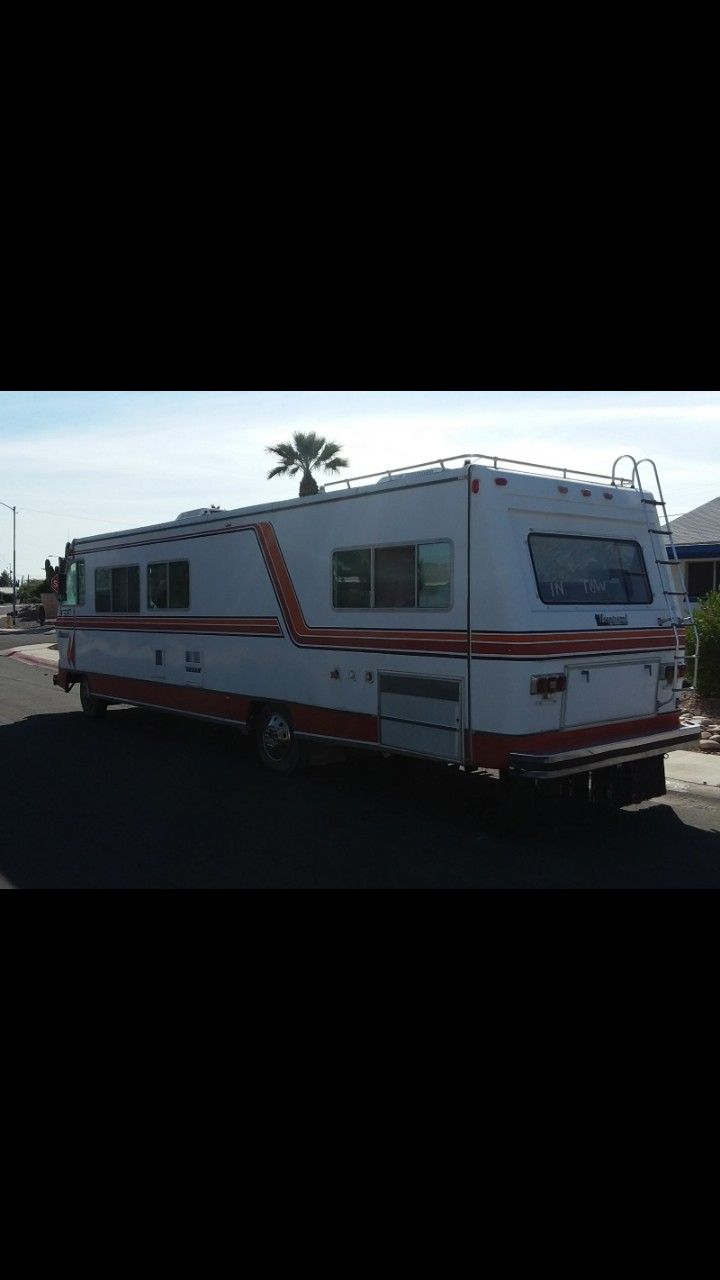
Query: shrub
707, 619
30, 590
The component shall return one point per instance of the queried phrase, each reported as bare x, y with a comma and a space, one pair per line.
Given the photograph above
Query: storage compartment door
421, 714
613, 691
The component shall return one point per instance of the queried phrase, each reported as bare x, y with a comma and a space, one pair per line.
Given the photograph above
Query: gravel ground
706, 711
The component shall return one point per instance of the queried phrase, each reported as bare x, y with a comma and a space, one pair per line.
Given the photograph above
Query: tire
92, 706
277, 745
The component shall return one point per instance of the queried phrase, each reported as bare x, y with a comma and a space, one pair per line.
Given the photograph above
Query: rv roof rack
467, 458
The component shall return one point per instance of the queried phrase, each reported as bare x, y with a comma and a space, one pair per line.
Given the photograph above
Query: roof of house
699, 526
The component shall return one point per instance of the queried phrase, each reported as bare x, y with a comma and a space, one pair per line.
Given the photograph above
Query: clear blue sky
80, 462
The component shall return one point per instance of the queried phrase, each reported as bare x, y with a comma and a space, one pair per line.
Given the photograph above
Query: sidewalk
37, 655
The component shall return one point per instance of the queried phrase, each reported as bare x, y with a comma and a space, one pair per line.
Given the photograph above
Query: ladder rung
667, 533
675, 593
672, 562
652, 502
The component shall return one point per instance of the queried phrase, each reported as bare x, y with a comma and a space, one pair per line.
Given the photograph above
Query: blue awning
700, 551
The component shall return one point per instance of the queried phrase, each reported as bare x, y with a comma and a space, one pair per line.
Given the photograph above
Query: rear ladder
670, 571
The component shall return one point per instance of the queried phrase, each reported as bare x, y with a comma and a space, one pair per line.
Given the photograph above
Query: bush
29, 592
707, 619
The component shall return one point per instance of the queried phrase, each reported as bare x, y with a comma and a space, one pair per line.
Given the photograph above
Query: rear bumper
564, 763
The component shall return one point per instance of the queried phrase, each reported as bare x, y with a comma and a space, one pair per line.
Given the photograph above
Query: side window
103, 596
394, 578
416, 576
75, 583
168, 585
117, 590
351, 579
434, 575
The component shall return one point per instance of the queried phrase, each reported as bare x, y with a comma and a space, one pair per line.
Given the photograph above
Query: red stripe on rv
323, 721
537, 645
492, 750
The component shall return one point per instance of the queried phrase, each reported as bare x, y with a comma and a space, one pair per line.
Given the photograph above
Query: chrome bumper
563, 763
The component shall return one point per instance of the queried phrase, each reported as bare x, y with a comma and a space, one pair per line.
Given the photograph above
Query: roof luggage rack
465, 459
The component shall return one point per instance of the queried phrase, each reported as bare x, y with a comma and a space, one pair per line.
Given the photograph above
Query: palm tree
307, 453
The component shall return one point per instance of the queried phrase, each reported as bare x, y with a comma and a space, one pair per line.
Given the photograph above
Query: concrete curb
29, 654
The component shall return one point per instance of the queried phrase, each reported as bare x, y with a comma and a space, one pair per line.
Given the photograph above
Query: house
697, 542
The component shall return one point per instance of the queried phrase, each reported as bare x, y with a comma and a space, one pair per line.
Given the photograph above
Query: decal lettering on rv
611, 619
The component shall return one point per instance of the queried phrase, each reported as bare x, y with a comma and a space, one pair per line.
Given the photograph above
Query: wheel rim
276, 737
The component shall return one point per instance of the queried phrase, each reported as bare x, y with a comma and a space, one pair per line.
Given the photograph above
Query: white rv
493, 614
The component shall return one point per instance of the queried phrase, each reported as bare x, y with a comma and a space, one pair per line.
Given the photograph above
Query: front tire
277, 745
92, 706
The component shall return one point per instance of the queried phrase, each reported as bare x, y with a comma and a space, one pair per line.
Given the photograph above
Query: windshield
571, 570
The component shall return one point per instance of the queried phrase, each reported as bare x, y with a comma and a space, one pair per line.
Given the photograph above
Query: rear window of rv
588, 570
413, 576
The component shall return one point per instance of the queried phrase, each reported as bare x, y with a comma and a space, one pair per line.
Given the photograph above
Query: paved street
143, 800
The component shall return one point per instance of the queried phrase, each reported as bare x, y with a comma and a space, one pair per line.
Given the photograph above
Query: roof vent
201, 513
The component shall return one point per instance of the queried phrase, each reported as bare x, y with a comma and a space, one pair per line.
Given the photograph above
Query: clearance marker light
500, 481
586, 493
608, 496
476, 486
562, 488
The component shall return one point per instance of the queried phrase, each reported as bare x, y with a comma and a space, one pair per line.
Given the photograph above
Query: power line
63, 515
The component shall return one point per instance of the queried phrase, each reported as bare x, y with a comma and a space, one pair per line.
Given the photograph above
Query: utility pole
14, 609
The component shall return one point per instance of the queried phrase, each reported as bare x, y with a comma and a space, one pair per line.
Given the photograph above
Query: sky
82, 462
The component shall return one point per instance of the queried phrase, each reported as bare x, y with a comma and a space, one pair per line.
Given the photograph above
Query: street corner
35, 655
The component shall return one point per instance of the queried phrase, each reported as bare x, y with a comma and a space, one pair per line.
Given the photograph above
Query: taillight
548, 684
670, 672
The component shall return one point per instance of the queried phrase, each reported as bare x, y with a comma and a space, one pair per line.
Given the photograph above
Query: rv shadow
145, 800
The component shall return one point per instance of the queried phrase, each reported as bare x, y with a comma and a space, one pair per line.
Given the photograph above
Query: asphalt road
144, 800
30, 633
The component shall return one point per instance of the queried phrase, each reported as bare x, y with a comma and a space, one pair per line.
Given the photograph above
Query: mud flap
603, 790
628, 783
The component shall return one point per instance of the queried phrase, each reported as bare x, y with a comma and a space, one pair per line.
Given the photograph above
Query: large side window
168, 585
411, 576
117, 590
578, 570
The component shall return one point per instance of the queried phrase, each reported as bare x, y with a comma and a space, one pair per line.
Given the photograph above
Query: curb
32, 660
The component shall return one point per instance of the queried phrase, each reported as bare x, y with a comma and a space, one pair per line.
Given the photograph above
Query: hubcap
276, 737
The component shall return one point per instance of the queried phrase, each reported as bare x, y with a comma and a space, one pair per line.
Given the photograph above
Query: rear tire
92, 706
277, 745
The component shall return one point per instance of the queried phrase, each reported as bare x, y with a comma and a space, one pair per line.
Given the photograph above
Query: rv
476, 611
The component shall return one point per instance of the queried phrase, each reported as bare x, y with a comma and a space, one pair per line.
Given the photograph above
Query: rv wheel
276, 743
92, 706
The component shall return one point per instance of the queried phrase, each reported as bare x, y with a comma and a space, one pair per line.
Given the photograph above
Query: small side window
351, 579
395, 578
434, 575
103, 591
